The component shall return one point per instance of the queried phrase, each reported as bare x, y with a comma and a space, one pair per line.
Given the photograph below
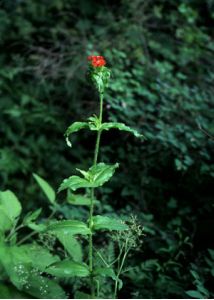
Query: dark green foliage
162, 58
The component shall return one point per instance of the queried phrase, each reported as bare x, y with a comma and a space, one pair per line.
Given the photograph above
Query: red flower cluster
97, 61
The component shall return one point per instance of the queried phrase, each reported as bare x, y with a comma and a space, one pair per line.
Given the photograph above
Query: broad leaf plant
26, 264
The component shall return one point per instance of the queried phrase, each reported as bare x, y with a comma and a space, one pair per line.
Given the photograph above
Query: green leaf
77, 199
100, 222
120, 284
195, 294
74, 183
69, 227
37, 227
45, 257
23, 264
31, 216
5, 222
94, 123
15, 265
28, 254
76, 126
96, 176
10, 204
41, 287
101, 173
120, 126
105, 272
71, 245
100, 77
68, 268
47, 189
98, 82
195, 274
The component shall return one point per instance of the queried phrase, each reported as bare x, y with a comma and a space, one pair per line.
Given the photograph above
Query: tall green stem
96, 153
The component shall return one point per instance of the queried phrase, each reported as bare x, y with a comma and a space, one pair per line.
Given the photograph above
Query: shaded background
162, 58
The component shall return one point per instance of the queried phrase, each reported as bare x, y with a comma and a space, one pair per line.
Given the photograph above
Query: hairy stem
96, 153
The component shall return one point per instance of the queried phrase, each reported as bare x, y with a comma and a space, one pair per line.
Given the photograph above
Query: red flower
97, 60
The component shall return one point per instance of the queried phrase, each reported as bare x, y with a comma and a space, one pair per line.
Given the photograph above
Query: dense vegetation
161, 54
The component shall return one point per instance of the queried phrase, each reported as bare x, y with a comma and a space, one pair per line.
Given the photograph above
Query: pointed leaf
76, 126
69, 227
74, 183
120, 126
31, 216
37, 227
10, 204
94, 123
68, 268
47, 189
100, 77
100, 222
71, 245
101, 173
95, 177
